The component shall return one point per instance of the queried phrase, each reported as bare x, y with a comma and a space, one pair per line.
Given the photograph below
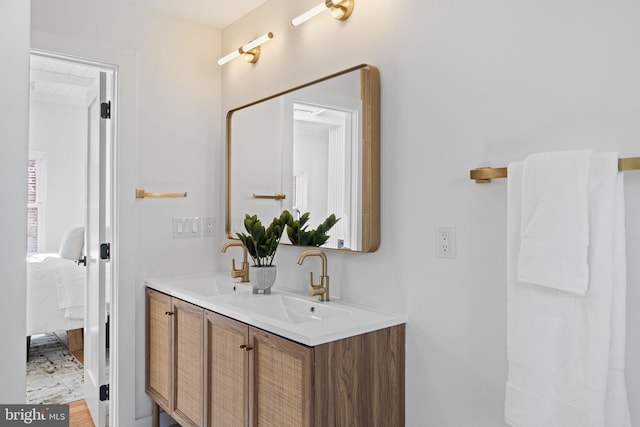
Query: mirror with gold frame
313, 148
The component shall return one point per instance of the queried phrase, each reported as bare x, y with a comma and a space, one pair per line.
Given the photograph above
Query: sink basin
286, 313
208, 287
289, 309
203, 285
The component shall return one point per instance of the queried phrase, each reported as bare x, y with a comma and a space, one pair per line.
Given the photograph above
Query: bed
55, 294
55, 291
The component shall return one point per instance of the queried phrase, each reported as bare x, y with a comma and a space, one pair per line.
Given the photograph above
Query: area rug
54, 375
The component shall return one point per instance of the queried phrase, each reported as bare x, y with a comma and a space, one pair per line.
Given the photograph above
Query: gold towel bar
484, 175
141, 194
277, 196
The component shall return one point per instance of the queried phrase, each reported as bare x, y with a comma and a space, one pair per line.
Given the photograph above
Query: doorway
70, 196
326, 163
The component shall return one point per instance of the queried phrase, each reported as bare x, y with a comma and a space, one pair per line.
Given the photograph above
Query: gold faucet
323, 288
242, 273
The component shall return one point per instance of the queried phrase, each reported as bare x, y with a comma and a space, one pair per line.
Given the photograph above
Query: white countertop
221, 294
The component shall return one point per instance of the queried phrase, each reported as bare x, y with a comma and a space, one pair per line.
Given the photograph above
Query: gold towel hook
141, 194
277, 196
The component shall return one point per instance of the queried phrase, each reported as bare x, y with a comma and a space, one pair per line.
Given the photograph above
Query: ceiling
213, 13
60, 81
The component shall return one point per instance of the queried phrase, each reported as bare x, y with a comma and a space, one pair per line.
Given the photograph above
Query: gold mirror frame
370, 95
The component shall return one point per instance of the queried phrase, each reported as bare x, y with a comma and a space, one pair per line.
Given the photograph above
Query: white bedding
55, 294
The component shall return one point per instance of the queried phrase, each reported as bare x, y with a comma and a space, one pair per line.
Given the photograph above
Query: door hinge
104, 392
105, 110
82, 261
105, 251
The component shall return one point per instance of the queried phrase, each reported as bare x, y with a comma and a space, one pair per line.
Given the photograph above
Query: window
36, 185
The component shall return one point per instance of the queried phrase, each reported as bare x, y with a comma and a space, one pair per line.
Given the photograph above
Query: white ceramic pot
262, 278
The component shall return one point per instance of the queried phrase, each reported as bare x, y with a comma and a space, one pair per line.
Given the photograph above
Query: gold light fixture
251, 50
340, 9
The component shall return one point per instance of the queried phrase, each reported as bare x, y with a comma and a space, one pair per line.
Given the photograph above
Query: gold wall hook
141, 194
276, 196
485, 175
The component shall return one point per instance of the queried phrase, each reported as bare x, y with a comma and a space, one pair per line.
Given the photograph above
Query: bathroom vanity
218, 355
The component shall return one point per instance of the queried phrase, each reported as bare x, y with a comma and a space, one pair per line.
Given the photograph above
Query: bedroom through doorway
70, 203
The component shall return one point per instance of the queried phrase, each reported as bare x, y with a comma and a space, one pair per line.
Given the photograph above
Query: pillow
72, 243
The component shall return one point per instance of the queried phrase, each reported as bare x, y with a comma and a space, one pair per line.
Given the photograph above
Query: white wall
59, 130
169, 121
14, 129
464, 84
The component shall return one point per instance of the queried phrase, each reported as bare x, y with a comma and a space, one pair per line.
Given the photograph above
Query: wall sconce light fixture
251, 50
340, 9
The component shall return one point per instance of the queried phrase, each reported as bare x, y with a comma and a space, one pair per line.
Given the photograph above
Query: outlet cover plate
446, 241
209, 226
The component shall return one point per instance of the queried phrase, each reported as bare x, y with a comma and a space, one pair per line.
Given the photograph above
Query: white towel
554, 230
565, 351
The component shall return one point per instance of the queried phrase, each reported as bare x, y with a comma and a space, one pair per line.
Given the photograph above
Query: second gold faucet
323, 288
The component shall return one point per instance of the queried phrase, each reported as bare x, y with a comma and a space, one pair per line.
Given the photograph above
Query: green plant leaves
261, 242
299, 235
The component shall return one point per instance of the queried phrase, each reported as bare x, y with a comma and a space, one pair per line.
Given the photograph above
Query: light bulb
309, 14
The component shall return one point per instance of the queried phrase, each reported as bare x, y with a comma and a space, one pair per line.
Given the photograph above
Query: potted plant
262, 243
299, 235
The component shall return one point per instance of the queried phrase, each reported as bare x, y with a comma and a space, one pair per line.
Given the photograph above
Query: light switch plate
187, 227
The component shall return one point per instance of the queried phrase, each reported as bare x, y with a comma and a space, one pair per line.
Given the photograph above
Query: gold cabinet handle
277, 196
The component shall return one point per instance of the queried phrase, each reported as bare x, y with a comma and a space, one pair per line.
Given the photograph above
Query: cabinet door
226, 371
188, 339
280, 381
158, 348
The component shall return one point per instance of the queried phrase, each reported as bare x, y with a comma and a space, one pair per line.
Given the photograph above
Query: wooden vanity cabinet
258, 379
158, 348
175, 359
280, 381
255, 378
226, 371
252, 378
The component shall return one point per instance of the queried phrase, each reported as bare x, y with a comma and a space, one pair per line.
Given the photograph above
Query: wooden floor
79, 415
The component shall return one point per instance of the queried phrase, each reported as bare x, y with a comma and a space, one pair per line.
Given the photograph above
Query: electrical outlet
209, 226
445, 241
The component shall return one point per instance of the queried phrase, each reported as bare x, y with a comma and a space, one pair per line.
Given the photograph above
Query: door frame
112, 196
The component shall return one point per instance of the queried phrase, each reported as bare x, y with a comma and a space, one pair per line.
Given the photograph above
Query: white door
95, 316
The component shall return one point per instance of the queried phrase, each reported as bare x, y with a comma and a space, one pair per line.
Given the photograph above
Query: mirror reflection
311, 149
